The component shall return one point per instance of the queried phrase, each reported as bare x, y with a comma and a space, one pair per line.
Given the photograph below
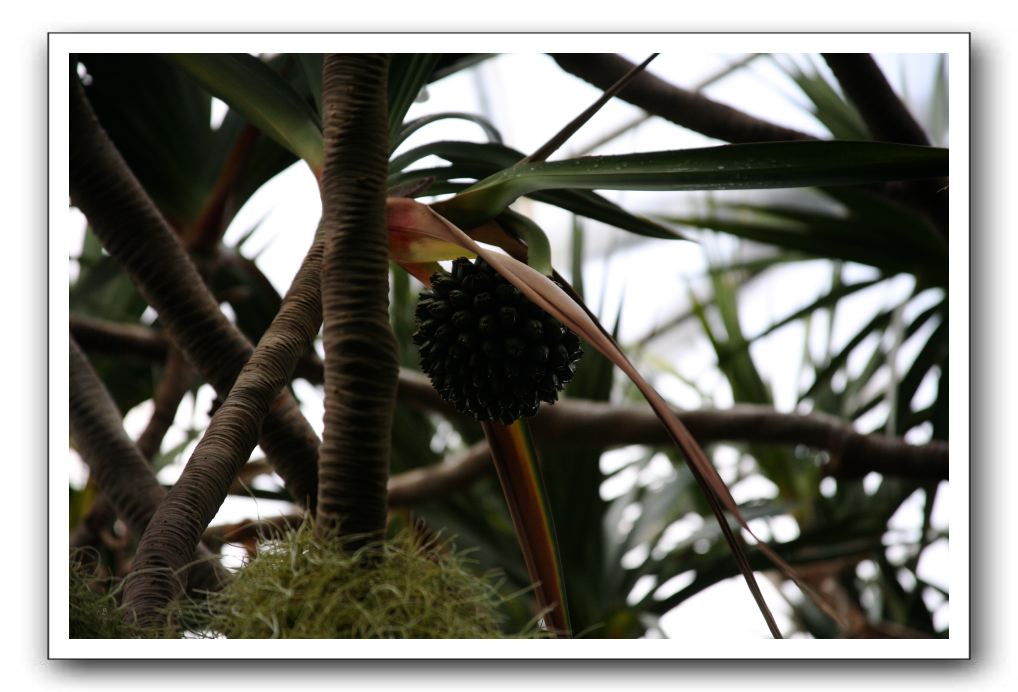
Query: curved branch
685, 108
597, 425
131, 229
173, 384
360, 348
122, 474
250, 530
231, 436
423, 484
176, 381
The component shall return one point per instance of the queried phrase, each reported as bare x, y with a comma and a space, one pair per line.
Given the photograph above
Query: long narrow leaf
839, 117
512, 450
563, 135
249, 86
474, 160
731, 167
490, 131
408, 74
829, 237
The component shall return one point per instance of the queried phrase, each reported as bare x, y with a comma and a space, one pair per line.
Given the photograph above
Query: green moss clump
93, 609
301, 587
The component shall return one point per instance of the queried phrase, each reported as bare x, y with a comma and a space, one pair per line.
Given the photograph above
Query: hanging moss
92, 609
304, 587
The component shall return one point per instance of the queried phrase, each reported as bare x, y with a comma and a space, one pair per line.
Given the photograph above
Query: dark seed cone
488, 350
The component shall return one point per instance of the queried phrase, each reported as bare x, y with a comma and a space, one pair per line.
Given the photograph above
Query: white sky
286, 211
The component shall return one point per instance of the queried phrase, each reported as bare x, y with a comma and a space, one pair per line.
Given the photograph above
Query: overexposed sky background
528, 98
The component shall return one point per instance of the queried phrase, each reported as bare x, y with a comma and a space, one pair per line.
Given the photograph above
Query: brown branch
889, 120
104, 336
107, 337
853, 454
596, 425
231, 436
680, 106
245, 532
207, 231
175, 382
423, 484
886, 117
123, 475
132, 230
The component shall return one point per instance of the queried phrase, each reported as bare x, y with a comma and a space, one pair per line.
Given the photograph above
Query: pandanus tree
497, 332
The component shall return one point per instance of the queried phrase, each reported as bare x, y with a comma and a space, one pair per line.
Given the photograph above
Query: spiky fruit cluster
489, 351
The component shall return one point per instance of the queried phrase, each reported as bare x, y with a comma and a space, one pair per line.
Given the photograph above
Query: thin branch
250, 530
423, 484
596, 425
853, 454
104, 336
207, 231
176, 381
675, 104
107, 337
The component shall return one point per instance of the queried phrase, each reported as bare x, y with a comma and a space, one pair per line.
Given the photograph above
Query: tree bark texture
232, 434
132, 230
123, 475
361, 367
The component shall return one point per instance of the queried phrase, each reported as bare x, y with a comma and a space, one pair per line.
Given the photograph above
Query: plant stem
361, 367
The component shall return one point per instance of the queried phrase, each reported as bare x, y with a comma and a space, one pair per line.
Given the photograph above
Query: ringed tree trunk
174, 384
122, 473
193, 501
132, 230
361, 367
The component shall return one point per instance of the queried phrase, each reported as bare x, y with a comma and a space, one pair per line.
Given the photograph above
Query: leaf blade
250, 86
729, 167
